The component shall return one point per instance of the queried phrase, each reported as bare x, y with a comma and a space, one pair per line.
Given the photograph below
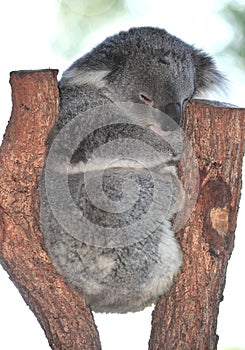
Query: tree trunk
185, 318
66, 320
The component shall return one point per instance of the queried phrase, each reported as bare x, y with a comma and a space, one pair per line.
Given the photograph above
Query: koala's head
146, 65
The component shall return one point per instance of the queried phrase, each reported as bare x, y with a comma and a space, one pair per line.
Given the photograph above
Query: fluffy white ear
79, 77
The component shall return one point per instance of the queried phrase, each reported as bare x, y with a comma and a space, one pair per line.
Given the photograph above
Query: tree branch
186, 318
62, 313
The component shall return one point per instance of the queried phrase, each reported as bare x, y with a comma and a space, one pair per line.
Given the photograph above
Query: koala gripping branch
62, 313
186, 317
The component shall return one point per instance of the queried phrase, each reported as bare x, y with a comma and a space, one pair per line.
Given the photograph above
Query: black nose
174, 111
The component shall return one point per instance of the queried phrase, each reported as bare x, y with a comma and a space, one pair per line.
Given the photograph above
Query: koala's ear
78, 77
207, 75
94, 69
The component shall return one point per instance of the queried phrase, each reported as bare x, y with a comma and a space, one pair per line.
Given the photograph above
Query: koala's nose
174, 111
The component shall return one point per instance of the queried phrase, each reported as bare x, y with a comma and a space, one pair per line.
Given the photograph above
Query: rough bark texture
66, 320
186, 317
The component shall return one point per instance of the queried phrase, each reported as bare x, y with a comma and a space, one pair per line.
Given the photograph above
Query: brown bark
66, 320
186, 317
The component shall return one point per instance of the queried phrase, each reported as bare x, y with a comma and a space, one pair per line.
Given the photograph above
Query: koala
107, 220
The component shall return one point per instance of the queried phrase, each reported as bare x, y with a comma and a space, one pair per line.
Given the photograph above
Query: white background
27, 29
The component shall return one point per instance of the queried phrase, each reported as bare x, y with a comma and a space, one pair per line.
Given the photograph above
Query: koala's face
146, 65
158, 80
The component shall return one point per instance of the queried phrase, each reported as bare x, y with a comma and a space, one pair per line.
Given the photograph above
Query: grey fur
144, 66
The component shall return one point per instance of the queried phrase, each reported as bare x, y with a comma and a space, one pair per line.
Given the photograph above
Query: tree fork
186, 317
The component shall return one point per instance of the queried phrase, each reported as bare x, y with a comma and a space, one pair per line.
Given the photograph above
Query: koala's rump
115, 279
